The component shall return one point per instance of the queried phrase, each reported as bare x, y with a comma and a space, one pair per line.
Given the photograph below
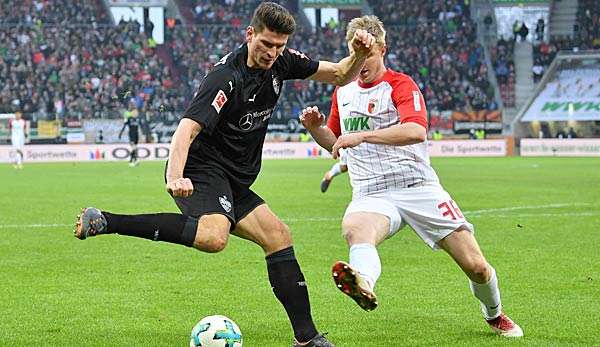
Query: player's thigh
18, 142
370, 220
431, 212
212, 197
264, 228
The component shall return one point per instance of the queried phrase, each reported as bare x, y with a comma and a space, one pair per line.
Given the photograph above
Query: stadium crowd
86, 71
70, 61
586, 37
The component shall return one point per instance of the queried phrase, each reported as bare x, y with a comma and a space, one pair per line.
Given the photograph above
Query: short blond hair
371, 24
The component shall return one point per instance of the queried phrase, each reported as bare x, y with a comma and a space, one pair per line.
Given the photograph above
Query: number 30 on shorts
449, 209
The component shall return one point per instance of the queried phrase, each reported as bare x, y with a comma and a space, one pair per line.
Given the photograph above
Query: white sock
364, 258
335, 170
19, 158
489, 296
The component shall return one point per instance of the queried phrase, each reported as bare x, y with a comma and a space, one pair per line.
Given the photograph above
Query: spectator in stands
571, 134
538, 71
480, 134
516, 29
539, 29
488, 20
523, 32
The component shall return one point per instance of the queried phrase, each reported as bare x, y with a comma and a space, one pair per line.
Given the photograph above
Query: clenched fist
182, 187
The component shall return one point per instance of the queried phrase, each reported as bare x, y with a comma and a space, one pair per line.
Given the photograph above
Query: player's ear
249, 33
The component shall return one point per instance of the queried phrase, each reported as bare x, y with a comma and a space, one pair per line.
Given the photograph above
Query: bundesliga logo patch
219, 101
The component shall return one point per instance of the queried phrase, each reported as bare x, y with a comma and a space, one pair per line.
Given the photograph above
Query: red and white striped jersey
393, 99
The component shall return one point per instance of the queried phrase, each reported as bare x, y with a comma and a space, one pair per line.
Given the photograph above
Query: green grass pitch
537, 220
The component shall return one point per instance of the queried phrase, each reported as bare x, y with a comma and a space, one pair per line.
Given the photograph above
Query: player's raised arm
346, 70
312, 119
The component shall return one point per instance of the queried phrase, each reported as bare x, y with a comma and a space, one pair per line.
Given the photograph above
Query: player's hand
182, 187
311, 117
346, 141
362, 42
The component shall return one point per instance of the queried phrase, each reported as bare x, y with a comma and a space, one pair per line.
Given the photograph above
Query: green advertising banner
570, 95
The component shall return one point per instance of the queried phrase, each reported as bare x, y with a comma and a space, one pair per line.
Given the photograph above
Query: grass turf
537, 220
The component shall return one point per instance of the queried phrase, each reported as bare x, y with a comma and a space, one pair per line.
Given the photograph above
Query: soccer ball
216, 331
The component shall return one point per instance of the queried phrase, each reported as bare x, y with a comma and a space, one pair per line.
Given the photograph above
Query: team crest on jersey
226, 204
372, 107
219, 101
276, 84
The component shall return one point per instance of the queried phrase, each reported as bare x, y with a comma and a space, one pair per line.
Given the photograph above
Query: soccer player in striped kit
18, 134
381, 121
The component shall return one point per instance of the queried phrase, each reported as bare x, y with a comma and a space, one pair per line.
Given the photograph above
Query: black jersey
233, 104
133, 123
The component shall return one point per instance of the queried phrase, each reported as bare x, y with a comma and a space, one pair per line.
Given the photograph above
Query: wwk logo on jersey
219, 101
352, 124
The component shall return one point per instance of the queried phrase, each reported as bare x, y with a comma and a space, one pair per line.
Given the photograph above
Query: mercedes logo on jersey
247, 121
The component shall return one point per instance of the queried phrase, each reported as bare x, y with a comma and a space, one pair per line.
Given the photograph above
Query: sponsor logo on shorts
226, 204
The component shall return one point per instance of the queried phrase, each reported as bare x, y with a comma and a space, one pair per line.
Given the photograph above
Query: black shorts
134, 139
215, 193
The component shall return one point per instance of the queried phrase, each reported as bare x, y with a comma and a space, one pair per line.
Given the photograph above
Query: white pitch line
516, 208
14, 226
329, 219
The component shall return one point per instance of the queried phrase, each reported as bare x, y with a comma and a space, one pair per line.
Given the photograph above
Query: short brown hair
274, 17
371, 24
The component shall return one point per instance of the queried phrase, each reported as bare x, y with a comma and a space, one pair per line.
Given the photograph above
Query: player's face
264, 47
374, 67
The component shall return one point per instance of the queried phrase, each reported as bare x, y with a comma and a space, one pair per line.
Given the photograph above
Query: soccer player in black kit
215, 156
133, 123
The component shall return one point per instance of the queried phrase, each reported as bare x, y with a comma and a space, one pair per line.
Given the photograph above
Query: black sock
168, 227
290, 288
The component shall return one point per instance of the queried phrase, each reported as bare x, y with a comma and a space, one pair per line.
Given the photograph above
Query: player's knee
479, 270
211, 237
211, 242
350, 229
216, 244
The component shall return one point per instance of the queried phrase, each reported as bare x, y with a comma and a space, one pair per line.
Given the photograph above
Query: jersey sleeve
333, 122
297, 65
409, 102
212, 99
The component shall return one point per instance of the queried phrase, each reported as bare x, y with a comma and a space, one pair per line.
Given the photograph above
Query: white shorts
17, 142
428, 209
343, 157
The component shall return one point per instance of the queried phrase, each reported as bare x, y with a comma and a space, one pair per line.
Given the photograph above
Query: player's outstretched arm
397, 135
312, 119
346, 70
186, 132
